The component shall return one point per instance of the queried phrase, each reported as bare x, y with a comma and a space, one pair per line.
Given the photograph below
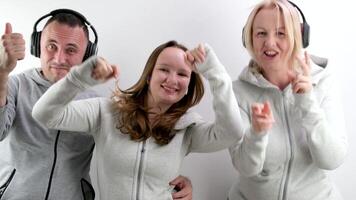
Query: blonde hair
292, 26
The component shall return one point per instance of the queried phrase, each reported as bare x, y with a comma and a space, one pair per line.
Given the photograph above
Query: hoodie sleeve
227, 127
248, 155
323, 122
55, 109
8, 111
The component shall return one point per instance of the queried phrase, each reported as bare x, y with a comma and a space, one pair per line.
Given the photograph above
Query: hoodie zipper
290, 162
140, 166
53, 165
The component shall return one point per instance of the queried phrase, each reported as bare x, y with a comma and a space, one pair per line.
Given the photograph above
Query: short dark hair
70, 20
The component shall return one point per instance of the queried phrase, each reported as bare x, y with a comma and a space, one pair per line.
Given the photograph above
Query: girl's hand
196, 56
104, 71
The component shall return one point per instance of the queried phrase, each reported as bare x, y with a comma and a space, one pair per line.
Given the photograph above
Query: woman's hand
262, 117
104, 71
301, 81
196, 56
184, 188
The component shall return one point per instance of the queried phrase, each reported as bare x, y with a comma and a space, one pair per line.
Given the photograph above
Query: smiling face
62, 47
270, 40
169, 80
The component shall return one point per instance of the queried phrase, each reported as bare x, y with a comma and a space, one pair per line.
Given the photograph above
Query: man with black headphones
45, 164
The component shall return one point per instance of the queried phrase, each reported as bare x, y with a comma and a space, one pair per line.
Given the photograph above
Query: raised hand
14, 49
196, 56
104, 71
301, 81
262, 117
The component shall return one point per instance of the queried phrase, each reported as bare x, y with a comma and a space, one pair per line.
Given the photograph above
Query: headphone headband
299, 10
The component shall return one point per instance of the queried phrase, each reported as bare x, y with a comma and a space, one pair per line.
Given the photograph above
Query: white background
129, 30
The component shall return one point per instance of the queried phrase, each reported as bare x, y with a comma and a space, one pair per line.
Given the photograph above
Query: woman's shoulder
188, 119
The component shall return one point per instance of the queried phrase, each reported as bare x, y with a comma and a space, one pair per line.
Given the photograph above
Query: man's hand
13, 49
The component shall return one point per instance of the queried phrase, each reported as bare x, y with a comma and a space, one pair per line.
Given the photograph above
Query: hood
36, 76
256, 78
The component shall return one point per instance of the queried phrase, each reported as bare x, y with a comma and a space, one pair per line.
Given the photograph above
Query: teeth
270, 53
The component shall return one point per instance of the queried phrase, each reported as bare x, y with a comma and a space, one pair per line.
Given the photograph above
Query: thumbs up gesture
12, 49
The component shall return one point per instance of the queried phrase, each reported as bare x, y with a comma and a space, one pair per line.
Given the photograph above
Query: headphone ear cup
243, 37
305, 34
35, 43
90, 50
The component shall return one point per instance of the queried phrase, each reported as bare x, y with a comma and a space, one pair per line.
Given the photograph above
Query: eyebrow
166, 65
162, 64
278, 28
70, 44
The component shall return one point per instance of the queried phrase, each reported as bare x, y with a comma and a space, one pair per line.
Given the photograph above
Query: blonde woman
301, 132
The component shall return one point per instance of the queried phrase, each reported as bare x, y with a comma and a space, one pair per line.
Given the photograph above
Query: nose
270, 40
172, 78
60, 56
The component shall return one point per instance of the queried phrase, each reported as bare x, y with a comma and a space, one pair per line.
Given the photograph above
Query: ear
148, 79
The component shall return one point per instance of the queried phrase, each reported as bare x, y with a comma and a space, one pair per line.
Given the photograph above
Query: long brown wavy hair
133, 113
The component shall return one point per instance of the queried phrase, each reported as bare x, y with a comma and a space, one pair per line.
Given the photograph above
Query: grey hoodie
44, 164
130, 170
307, 138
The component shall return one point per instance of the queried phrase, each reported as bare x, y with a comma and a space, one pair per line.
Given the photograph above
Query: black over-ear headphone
36, 35
305, 28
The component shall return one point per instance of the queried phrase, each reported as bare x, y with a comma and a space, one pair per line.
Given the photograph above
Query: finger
190, 57
177, 180
306, 66
201, 56
256, 108
116, 71
94, 76
307, 58
181, 193
302, 79
303, 63
8, 28
301, 88
196, 56
104, 68
266, 108
20, 54
291, 75
264, 121
201, 49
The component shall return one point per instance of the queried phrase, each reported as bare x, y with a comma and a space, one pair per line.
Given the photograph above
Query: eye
183, 75
163, 69
280, 34
51, 47
72, 51
261, 33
